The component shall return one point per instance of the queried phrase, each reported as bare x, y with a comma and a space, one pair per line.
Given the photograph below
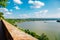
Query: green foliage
3, 3
32, 33
1, 15
27, 31
13, 21
42, 37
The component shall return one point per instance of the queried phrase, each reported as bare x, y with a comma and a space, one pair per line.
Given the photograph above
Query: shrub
42, 37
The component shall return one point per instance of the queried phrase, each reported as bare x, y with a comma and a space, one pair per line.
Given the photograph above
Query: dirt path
16, 33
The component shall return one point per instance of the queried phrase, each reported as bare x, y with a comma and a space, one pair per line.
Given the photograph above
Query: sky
32, 9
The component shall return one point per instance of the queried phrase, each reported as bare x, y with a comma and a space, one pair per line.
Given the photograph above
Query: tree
3, 3
1, 15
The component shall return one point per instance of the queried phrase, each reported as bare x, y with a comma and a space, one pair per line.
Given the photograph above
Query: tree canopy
3, 3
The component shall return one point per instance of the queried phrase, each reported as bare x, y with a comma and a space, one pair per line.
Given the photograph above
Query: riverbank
12, 21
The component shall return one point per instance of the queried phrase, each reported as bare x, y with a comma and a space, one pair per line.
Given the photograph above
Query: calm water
50, 28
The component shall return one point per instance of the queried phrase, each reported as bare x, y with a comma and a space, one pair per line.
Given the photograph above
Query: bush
27, 31
42, 37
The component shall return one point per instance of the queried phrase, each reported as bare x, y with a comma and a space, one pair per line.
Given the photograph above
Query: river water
50, 28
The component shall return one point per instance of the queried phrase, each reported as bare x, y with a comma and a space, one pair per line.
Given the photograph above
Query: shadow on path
4, 34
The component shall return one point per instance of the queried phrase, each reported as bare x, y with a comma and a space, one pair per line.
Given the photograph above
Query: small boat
58, 20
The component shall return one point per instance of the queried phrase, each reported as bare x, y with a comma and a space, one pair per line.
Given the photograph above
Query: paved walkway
16, 33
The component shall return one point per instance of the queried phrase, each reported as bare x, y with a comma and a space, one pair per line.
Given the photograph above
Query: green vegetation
3, 3
32, 33
1, 15
39, 37
13, 21
42, 37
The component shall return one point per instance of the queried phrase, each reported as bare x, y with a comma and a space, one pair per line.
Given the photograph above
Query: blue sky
32, 9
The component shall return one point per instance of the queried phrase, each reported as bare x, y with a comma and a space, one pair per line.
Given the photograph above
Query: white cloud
38, 14
46, 11
16, 7
58, 8
5, 11
6, 16
17, 1
24, 16
30, 1
42, 11
56, 15
8, 13
11, 10
36, 4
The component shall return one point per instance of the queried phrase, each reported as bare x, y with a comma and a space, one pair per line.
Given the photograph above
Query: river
50, 28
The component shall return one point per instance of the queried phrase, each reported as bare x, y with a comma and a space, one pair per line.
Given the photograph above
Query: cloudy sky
32, 9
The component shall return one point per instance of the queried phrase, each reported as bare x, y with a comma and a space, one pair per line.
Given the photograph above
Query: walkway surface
16, 33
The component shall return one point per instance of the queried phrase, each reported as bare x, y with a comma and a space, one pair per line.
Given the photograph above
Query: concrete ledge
17, 34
